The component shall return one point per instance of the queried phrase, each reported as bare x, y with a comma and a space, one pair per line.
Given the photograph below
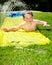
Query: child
29, 23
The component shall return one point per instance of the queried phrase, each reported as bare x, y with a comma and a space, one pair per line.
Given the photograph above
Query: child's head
28, 16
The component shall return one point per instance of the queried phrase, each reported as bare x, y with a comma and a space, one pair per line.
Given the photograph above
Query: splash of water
13, 5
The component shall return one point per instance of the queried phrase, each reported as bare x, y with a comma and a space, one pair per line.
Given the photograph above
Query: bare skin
29, 24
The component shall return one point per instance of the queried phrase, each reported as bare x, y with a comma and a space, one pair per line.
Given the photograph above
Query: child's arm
12, 29
44, 23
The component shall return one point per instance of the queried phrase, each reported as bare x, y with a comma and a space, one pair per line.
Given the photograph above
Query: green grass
31, 55
2, 17
46, 16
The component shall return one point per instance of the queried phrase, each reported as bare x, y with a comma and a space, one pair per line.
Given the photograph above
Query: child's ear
33, 17
24, 19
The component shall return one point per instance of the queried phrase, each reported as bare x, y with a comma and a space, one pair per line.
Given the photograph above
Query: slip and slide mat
20, 37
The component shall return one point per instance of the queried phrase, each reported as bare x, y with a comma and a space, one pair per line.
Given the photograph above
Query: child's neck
29, 23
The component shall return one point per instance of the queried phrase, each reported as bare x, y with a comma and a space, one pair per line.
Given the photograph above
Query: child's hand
5, 29
46, 24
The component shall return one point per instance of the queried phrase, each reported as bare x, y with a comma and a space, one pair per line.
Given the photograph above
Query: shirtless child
29, 23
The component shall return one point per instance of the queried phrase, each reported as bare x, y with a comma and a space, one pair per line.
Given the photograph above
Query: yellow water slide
20, 37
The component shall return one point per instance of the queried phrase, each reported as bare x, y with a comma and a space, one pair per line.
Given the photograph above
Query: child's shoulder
23, 23
36, 20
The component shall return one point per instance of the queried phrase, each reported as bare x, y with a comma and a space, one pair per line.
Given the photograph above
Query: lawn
32, 54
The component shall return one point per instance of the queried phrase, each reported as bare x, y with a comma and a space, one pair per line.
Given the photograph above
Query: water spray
11, 4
